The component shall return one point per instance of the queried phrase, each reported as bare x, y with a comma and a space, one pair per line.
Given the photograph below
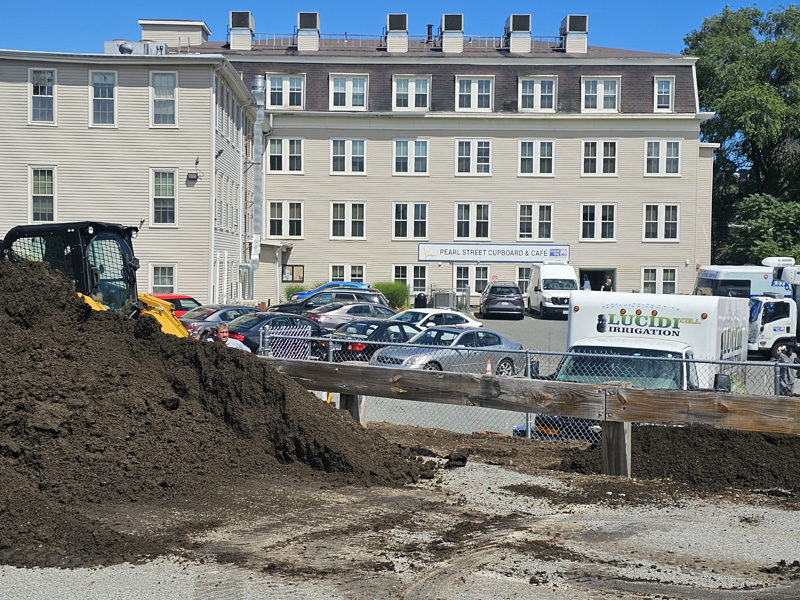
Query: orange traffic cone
488, 366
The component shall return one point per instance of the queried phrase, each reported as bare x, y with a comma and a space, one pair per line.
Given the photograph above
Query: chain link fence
461, 353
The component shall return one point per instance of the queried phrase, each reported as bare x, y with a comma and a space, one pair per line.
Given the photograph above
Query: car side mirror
536, 288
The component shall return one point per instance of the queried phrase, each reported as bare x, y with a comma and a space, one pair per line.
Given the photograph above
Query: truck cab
773, 322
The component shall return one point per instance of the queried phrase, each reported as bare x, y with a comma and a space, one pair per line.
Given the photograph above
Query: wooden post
616, 448
356, 406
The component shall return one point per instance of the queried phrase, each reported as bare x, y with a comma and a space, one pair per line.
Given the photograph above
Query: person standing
607, 287
586, 285
787, 355
222, 336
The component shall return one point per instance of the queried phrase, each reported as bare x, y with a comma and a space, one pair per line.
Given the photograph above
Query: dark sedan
247, 329
358, 340
208, 316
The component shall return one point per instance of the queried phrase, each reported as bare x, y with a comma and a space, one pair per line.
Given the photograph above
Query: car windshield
559, 284
433, 337
185, 303
246, 321
357, 329
409, 316
602, 364
201, 312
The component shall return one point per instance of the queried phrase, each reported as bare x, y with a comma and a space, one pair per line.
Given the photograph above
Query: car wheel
541, 311
505, 368
521, 316
432, 366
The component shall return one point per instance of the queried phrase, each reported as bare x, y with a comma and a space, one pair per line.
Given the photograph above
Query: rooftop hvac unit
453, 23
521, 23
575, 24
242, 20
308, 20
397, 22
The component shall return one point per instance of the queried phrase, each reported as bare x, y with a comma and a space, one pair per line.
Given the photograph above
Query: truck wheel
541, 311
775, 347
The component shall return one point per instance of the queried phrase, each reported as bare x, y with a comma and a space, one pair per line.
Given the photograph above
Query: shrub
396, 293
293, 288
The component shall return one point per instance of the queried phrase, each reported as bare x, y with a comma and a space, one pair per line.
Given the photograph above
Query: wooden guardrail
615, 406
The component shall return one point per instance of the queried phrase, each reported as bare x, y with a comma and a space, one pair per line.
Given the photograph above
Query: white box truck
549, 288
773, 323
620, 325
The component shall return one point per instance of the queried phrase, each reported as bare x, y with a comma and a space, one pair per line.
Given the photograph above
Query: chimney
430, 33
397, 33
518, 34
452, 33
574, 34
308, 31
242, 29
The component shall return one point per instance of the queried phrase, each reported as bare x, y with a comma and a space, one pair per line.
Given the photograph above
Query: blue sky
58, 26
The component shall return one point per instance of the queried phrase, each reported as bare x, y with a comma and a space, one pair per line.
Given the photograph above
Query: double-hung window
474, 93
348, 157
664, 94
536, 158
414, 276
600, 94
165, 201
163, 278
164, 99
285, 156
348, 220
598, 222
43, 95
411, 93
472, 221
534, 222
659, 280
471, 277
353, 273
662, 158
473, 157
285, 91
104, 98
411, 157
410, 220
600, 157
537, 94
43, 194
661, 222
348, 92
285, 219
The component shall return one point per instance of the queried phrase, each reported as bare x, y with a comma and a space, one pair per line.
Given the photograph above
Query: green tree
763, 226
748, 73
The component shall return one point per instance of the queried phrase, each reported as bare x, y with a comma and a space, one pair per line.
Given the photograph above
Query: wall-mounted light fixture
192, 177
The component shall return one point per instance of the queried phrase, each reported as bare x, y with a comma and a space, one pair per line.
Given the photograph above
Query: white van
549, 288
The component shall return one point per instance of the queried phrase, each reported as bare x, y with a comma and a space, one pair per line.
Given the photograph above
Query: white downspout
258, 87
225, 278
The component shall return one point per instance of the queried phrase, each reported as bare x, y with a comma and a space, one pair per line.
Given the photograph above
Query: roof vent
575, 24
574, 34
397, 33
242, 27
308, 20
518, 23
397, 22
518, 34
308, 31
241, 20
453, 23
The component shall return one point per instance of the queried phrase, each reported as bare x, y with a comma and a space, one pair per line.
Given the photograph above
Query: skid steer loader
98, 260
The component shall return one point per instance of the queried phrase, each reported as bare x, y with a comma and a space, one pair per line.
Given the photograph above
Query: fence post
355, 405
615, 448
777, 378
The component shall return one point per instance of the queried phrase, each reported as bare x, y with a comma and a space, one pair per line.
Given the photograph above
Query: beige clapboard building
441, 159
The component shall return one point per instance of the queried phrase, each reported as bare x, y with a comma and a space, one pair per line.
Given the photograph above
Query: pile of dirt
97, 409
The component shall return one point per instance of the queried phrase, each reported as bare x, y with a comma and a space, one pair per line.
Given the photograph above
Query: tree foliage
748, 74
763, 226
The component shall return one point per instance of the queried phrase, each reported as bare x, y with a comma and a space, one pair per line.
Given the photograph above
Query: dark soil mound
97, 409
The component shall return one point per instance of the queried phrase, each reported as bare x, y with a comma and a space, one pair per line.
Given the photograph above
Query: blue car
303, 295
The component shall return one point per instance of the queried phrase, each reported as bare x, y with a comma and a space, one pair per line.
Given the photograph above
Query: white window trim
285, 91
472, 222
659, 278
474, 93
671, 79
473, 291
411, 157
661, 222
348, 220
411, 93
31, 169
348, 158
410, 221
151, 89
151, 276
347, 270
599, 159
115, 124
662, 158
348, 91
537, 149
599, 79
285, 157
598, 223
473, 157
285, 220
537, 96
535, 223
54, 122
153, 171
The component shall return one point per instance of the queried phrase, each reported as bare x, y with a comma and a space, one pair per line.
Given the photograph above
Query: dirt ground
121, 444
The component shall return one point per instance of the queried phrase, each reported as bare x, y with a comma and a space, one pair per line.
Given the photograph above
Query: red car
181, 303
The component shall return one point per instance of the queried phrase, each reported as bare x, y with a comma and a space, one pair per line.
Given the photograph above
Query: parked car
338, 313
502, 298
247, 329
181, 304
430, 317
328, 296
208, 316
555, 427
454, 349
360, 339
325, 286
